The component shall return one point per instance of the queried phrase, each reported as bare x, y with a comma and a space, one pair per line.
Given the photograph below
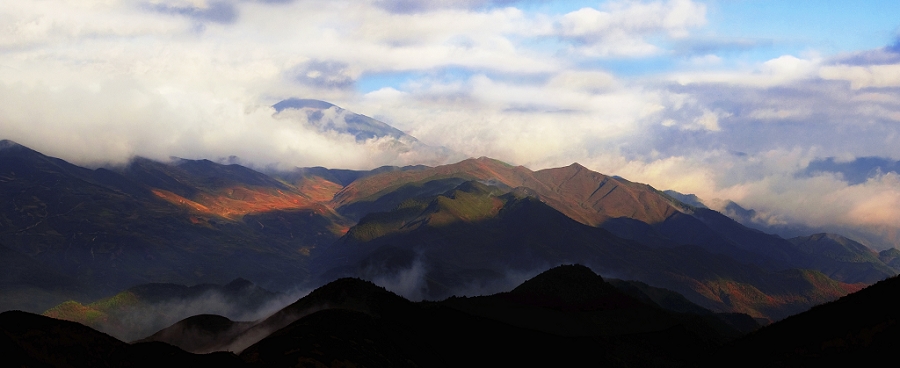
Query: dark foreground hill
144, 309
30, 340
476, 233
860, 329
565, 316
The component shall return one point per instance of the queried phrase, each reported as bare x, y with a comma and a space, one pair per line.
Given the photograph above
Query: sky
786, 107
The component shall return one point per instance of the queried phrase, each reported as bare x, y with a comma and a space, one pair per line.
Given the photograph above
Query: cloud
856, 171
882, 56
621, 29
705, 45
213, 11
408, 282
541, 85
864, 76
325, 74
173, 123
782, 70
37, 28
768, 183
417, 6
561, 118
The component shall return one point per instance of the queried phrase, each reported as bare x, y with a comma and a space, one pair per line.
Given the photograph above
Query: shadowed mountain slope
475, 225
677, 303
28, 284
567, 315
858, 329
843, 259
358, 323
347, 294
144, 309
629, 210
890, 257
30, 340
475, 233
199, 334
189, 222
572, 300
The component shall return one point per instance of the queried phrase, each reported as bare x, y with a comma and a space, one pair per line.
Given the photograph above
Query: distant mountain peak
239, 283
688, 199
301, 103
341, 120
6, 143
483, 160
327, 117
564, 276
571, 286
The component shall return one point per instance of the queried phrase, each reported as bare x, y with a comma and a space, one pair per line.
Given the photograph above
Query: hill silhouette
858, 329
564, 316
356, 322
144, 309
476, 232
37, 341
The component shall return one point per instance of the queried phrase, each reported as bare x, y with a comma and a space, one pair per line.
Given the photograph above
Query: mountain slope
629, 210
858, 329
844, 259
28, 284
358, 323
189, 222
144, 309
475, 234
328, 117
31, 340
200, 333
479, 224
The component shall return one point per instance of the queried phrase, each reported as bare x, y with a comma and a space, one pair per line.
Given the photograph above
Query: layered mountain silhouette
858, 329
566, 315
184, 222
114, 248
477, 226
144, 309
875, 236
823, 245
480, 219
30, 340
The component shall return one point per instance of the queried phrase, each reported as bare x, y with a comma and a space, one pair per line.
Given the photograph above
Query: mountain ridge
197, 221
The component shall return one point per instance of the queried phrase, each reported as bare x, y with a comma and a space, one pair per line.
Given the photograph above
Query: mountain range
477, 225
567, 315
113, 248
192, 221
